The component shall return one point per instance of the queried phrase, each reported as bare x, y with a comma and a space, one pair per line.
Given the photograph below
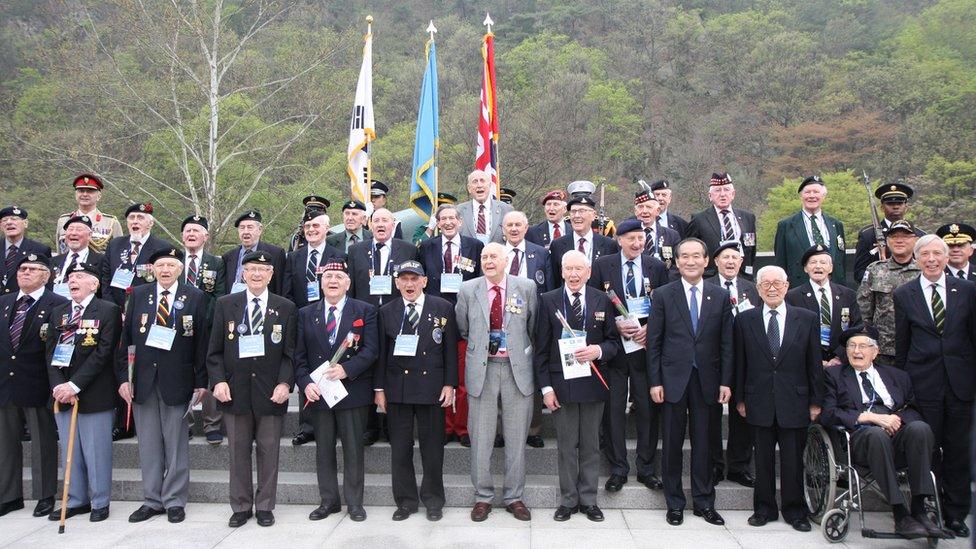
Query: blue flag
423, 178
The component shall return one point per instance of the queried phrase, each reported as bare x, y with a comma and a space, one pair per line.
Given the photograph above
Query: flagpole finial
488, 22
431, 29
369, 19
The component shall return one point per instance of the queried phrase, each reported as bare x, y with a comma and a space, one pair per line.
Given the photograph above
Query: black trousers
430, 432
675, 416
951, 423
304, 416
738, 447
791, 442
630, 380
347, 426
910, 447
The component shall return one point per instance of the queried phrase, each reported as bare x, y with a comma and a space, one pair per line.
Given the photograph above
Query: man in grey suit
482, 216
498, 362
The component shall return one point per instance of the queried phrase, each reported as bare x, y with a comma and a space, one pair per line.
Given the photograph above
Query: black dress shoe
10, 506
745, 479
144, 513
758, 520
717, 476
434, 515
650, 481
800, 525
370, 438
499, 441
239, 519
265, 518
563, 513
402, 513
449, 438
119, 434
25, 435
302, 438
592, 512
44, 507
957, 527
932, 528
72, 511
324, 512
175, 514
98, 515
615, 483
675, 517
909, 528
711, 516
357, 513
465, 441
535, 441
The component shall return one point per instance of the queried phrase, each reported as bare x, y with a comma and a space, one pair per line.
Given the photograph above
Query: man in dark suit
573, 393
659, 240
662, 192
689, 362
82, 342
354, 227
25, 324
809, 227
959, 237
724, 222
249, 230
449, 258
555, 225
13, 221
935, 342
77, 239
876, 403
166, 327
835, 304
251, 370
779, 390
735, 463
323, 328
633, 276
582, 212
415, 378
894, 199
378, 196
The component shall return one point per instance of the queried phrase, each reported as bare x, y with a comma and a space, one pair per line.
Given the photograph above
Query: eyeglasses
859, 346
775, 284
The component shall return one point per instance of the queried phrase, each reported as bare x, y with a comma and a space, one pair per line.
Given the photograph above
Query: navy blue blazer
418, 379
313, 349
706, 226
678, 224
294, 283
843, 298
539, 234
430, 253
27, 246
842, 395
672, 347
23, 371
118, 248
360, 266
601, 246
277, 256
539, 267
930, 358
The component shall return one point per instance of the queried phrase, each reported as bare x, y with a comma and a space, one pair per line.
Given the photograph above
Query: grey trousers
482, 424
243, 431
91, 462
578, 440
348, 426
44, 453
164, 449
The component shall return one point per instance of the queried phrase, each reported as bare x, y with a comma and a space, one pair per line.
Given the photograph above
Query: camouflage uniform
874, 297
105, 227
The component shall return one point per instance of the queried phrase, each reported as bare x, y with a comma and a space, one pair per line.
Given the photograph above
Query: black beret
196, 220
31, 257
141, 208
312, 213
660, 184
583, 200
816, 249
629, 225
811, 180
726, 245
353, 205
13, 211
250, 215
86, 267
859, 330
257, 256
171, 253
83, 219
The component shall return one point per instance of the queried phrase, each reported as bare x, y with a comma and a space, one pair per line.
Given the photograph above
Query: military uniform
105, 227
874, 298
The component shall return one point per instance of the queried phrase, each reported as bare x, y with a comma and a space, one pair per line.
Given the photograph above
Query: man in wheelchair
877, 405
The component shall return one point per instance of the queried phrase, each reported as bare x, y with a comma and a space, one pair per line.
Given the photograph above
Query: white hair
574, 254
524, 217
780, 273
924, 241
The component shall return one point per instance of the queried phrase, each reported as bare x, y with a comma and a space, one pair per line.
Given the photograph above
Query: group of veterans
472, 328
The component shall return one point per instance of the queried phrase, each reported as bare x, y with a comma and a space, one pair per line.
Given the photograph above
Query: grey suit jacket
469, 219
518, 323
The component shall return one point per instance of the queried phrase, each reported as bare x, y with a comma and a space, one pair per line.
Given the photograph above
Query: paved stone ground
206, 526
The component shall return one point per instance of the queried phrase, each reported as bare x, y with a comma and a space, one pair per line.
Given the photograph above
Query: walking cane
67, 461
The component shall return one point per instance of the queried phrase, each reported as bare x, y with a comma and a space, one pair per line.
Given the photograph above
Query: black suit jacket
211, 280
117, 248
418, 379
672, 347
842, 395
92, 367
778, 388
539, 234
58, 264
294, 282
745, 289
430, 253
183, 368
252, 380
360, 266
970, 276
678, 224
843, 298
27, 246
23, 371
667, 241
231, 257
607, 275
930, 358
600, 329
601, 246
539, 268
313, 349
707, 226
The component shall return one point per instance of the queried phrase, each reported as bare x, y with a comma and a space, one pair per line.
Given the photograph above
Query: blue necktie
694, 310
631, 284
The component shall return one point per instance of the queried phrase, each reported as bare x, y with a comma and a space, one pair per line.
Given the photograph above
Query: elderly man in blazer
249, 230
723, 222
689, 363
77, 240
809, 227
322, 328
496, 315
25, 325
779, 390
13, 221
662, 192
582, 212
449, 258
165, 329
935, 342
659, 240
250, 363
126, 261
482, 215
353, 225
555, 225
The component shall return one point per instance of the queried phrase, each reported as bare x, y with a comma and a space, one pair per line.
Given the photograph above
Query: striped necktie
727, 224
257, 319
10, 259
72, 326
192, 271
23, 305
815, 230
331, 324
162, 311
938, 309
824, 307
413, 318
313, 262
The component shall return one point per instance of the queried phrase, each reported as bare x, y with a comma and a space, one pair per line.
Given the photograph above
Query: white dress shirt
384, 257
475, 211
816, 294
455, 249
63, 272
879, 387
927, 288
587, 247
263, 303
736, 230
510, 252
638, 274
820, 224
780, 319
687, 286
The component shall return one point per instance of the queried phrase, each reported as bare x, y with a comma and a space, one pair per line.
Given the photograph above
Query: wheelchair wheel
835, 525
819, 473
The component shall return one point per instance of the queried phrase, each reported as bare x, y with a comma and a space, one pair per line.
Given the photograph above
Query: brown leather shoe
519, 511
480, 511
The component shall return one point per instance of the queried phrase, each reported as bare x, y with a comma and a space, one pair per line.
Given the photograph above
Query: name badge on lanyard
450, 283
312, 291
250, 346
62, 355
122, 278
238, 287
825, 335
161, 337
406, 345
381, 285
640, 306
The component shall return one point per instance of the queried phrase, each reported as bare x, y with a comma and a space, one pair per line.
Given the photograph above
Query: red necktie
556, 233
482, 224
516, 264
495, 314
448, 259
582, 247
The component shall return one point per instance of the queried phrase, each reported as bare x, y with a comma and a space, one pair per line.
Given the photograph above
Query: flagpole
498, 180
431, 29
369, 162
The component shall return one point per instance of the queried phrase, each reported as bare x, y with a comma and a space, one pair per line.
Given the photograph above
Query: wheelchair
833, 486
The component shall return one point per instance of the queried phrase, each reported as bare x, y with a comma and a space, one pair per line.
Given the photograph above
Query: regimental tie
191, 271
772, 332
134, 252
448, 258
413, 317
377, 259
313, 262
516, 267
938, 309
649, 240
257, 319
727, 226
72, 326
71, 265
17, 326
556, 232
582, 245
815, 230
495, 313
482, 224
11, 257
631, 280
331, 325
873, 396
732, 298
162, 311
577, 320
824, 307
